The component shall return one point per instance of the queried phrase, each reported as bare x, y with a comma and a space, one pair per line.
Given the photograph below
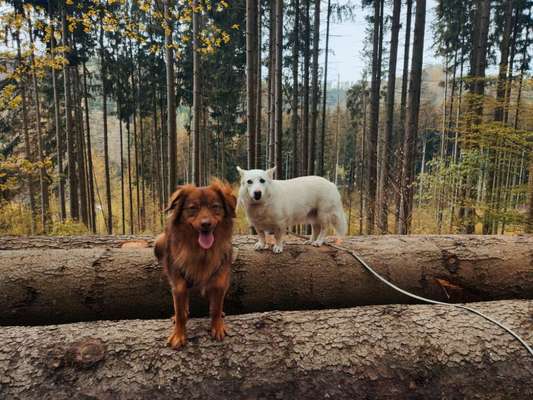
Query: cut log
385, 352
73, 242
55, 286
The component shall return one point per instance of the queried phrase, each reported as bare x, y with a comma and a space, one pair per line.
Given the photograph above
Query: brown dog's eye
192, 210
216, 208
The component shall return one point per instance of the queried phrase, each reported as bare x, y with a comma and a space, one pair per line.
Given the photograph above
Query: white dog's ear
241, 171
270, 172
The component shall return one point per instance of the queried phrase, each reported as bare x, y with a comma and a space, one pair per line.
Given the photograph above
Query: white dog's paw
277, 248
309, 241
317, 243
260, 246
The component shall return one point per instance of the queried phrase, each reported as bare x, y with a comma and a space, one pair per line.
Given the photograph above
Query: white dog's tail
338, 220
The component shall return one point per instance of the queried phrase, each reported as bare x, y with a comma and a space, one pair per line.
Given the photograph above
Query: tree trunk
382, 205
109, 216
90, 171
411, 123
40, 140
80, 151
315, 93
271, 82
71, 157
196, 101
494, 143
295, 91
251, 78
171, 99
386, 352
374, 119
305, 107
39, 286
259, 97
529, 221
27, 147
324, 92
57, 123
122, 187
278, 103
403, 102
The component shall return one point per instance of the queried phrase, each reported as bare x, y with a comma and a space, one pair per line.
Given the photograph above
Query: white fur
283, 204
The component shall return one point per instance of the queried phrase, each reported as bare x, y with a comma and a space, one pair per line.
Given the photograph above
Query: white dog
273, 205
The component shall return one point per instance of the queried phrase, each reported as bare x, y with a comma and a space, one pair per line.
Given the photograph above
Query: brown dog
195, 251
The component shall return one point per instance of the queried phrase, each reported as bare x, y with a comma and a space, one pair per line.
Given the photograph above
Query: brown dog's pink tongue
206, 240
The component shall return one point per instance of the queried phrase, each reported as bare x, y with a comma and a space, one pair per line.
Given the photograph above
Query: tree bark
71, 161
278, 104
382, 204
386, 352
411, 124
196, 101
90, 169
27, 147
315, 93
259, 89
39, 285
403, 102
45, 218
57, 122
109, 216
251, 78
305, 106
529, 220
324, 93
374, 119
171, 99
295, 91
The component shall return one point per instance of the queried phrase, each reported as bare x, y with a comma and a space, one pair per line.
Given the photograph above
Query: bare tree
278, 90
196, 102
403, 102
251, 79
324, 92
305, 108
71, 160
374, 117
109, 216
295, 91
314, 91
411, 127
382, 205
171, 98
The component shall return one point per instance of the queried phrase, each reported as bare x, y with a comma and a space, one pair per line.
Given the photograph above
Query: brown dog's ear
226, 194
178, 199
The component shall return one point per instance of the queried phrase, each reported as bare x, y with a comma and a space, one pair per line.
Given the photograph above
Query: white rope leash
414, 296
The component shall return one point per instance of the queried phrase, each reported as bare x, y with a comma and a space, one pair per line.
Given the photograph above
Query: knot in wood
86, 353
451, 262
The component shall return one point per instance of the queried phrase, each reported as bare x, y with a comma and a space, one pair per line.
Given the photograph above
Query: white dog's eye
262, 180
249, 181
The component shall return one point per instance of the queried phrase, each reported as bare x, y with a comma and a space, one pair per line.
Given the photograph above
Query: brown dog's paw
176, 340
218, 330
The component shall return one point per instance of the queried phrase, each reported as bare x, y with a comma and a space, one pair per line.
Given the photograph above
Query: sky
346, 42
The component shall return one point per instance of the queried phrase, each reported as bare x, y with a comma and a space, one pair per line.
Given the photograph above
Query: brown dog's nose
206, 225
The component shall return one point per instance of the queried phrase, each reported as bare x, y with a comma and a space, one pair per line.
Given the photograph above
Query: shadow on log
44, 286
387, 352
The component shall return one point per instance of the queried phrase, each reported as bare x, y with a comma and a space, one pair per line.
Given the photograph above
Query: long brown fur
186, 263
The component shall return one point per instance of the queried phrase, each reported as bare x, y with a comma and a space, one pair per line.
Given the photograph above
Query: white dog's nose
257, 195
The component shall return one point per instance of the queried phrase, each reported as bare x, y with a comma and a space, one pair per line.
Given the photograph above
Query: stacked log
386, 348
385, 352
51, 285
